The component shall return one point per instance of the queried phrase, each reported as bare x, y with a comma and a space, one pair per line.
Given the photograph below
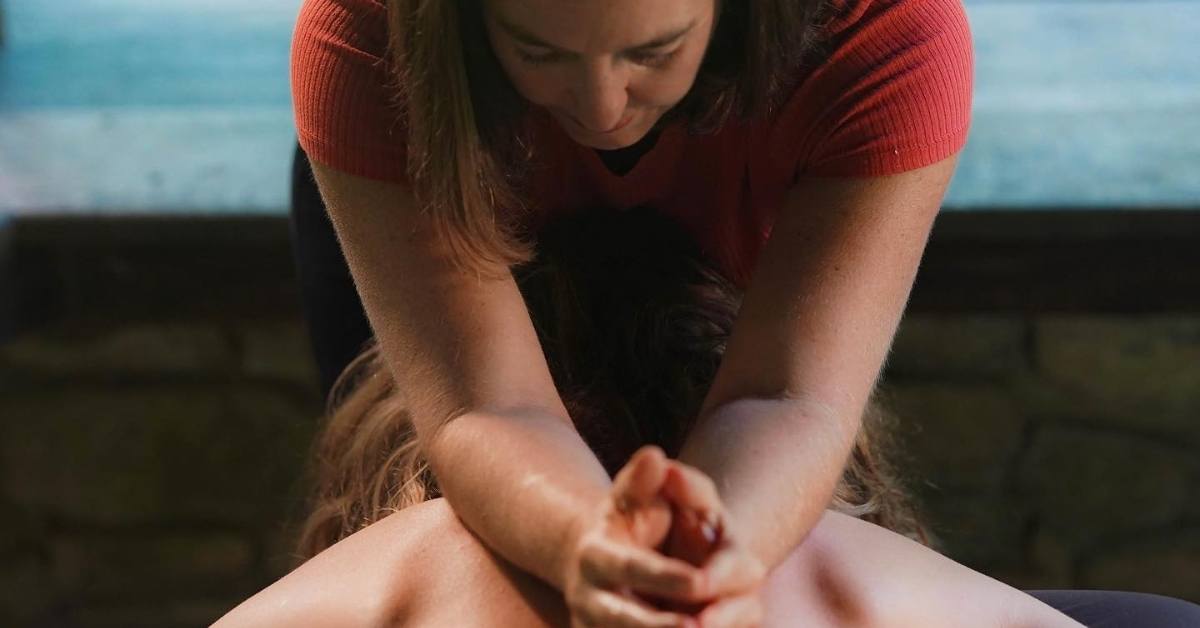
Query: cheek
667, 87
539, 86
660, 89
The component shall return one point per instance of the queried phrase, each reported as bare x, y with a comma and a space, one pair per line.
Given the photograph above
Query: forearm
775, 463
521, 480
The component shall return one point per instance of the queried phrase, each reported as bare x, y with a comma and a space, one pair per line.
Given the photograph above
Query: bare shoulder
462, 582
895, 581
363, 580
417, 567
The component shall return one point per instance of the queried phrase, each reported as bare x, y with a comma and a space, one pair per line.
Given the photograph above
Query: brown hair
633, 322
467, 153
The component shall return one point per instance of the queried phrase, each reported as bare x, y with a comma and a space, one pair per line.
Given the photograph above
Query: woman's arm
816, 323
465, 355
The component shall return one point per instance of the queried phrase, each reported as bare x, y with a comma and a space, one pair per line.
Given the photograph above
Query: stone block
1192, 510
133, 565
20, 529
956, 435
164, 348
958, 347
27, 589
1088, 484
1166, 564
280, 350
983, 530
181, 613
134, 456
1052, 561
98, 455
1137, 372
254, 464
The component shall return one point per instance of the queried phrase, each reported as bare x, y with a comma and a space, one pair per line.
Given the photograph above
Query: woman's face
607, 70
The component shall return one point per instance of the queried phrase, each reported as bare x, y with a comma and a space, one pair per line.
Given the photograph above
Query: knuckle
649, 573
626, 565
612, 610
679, 583
679, 580
692, 584
592, 612
706, 482
591, 560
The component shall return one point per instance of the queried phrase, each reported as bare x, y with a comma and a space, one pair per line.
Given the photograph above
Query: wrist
570, 545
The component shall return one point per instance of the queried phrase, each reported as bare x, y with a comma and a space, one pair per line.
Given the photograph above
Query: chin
611, 143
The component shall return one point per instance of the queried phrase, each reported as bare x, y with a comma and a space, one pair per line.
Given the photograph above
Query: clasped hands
661, 551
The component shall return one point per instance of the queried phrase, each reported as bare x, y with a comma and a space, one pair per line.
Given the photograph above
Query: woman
806, 148
634, 349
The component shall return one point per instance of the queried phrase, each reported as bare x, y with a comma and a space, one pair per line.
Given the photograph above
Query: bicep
829, 289
455, 340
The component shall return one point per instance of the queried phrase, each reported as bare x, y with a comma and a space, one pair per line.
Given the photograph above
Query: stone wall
1057, 451
149, 473
155, 417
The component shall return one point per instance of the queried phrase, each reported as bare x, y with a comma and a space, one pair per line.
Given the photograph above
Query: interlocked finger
688, 487
733, 570
639, 481
643, 570
606, 609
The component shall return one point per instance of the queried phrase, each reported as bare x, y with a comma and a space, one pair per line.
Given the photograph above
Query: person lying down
633, 322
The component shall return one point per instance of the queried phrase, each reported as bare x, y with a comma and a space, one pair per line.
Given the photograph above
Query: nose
600, 97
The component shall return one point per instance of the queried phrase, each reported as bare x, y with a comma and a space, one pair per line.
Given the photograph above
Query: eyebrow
530, 39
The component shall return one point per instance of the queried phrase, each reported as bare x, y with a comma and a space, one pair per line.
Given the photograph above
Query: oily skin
606, 70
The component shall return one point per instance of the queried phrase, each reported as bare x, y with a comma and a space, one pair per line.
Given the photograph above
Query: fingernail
711, 527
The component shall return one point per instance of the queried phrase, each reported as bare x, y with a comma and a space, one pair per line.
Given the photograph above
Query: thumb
689, 488
641, 479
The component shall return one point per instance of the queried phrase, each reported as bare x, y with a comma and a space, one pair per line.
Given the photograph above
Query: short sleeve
343, 95
893, 94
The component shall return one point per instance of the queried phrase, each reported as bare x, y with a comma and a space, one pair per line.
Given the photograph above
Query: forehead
597, 26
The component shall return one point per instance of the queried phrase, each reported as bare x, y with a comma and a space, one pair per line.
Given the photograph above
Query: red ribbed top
894, 94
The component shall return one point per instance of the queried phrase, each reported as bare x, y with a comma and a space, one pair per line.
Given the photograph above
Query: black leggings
1122, 609
338, 329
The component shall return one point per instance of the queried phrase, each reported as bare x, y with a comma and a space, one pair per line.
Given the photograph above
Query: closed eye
649, 59
652, 59
539, 58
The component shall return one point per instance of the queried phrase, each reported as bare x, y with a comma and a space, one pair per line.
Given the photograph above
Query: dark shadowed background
157, 394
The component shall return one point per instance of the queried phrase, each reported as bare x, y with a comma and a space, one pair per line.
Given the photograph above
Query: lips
620, 125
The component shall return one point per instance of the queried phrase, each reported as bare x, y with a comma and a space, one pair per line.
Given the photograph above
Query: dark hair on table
633, 321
